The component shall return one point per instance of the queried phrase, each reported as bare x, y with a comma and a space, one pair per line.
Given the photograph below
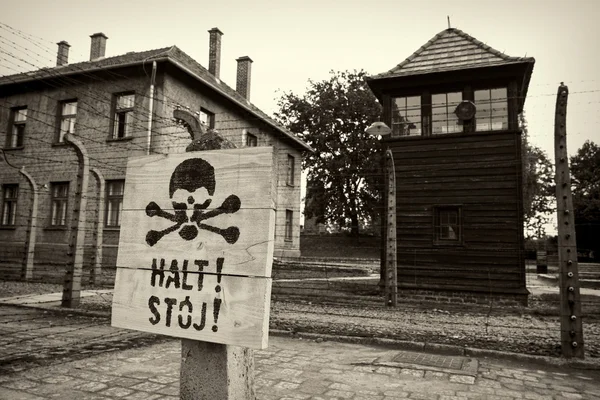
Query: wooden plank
457, 172
422, 209
488, 218
477, 286
498, 265
493, 148
412, 180
426, 243
241, 316
174, 259
494, 209
462, 256
453, 154
442, 199
491, 166
443, 140
456, 159
148, 180
484, 272
466, 276
451, 191
457, 185
453, 146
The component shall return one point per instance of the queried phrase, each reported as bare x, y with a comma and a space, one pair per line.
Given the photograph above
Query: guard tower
453, 109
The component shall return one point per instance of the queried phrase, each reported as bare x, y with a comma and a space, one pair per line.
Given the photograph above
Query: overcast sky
293, 41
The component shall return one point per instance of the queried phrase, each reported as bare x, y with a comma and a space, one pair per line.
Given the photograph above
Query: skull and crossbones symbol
187, 178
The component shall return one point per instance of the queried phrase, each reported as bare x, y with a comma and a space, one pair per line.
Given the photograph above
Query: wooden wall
481, 173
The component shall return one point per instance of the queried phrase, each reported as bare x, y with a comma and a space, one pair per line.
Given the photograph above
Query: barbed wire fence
334, 288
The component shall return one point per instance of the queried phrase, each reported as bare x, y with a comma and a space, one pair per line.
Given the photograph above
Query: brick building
113, 108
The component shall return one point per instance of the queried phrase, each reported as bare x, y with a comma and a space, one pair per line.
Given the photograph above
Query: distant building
117, 107
453, 109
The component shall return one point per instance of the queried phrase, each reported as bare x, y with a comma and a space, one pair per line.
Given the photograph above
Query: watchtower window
443, 118
406, 116
492, 109
447, 225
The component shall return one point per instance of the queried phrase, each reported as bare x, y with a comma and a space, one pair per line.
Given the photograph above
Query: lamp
378, 128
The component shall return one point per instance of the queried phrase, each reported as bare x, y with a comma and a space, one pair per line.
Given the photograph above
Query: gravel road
514, 332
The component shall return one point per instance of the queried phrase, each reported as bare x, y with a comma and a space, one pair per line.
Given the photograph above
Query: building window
68, 114
16, 132
123, 123
251, 140
114, 202
9, 204
448, 225
406, 116
492, 109
207, 118
290, 169
289, 220
443, 118
60, 197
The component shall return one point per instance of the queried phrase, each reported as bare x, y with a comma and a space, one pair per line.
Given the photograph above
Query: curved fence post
391, 267
72, 280
96, 267
28, 258
571, 330
29, 253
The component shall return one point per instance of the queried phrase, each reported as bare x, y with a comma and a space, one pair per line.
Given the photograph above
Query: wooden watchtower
453, 108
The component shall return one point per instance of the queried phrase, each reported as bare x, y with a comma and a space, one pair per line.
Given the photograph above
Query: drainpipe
150, 107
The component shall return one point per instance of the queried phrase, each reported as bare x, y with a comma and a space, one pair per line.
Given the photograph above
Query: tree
343, 172
538, 186
585, 184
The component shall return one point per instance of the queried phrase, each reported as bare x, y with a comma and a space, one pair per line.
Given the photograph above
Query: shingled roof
171, 54
450, 50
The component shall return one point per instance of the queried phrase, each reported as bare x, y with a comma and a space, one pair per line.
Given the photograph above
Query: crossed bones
190, 231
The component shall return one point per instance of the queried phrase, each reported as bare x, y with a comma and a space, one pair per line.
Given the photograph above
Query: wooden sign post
195, 253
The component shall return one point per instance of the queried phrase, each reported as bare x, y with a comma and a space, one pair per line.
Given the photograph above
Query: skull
191, 189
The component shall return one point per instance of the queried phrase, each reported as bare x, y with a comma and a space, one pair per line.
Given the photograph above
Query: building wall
180, 90
49, 162
481, 173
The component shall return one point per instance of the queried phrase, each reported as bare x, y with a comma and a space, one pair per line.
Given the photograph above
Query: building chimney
98, 46
242, 84
214, 52
62, 57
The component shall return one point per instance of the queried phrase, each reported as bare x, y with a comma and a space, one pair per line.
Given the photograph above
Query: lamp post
388, 266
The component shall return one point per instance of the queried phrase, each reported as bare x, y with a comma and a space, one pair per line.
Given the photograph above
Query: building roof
450, 50
170, 54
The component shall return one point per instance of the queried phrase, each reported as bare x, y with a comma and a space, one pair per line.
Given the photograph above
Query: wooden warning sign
196, 246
